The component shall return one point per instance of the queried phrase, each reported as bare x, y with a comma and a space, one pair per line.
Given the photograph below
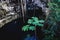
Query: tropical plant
32, 23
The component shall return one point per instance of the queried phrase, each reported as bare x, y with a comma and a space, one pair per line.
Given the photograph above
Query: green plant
52, 20
55, 10
35, 21
32, 23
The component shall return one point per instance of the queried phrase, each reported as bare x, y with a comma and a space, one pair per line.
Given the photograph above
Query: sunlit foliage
32, 23
35, 21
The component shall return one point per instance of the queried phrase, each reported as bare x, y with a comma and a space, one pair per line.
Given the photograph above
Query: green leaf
58, 0
35, 23
32, 28
41, 25
41, 21
25, 28
35, 18
30, 21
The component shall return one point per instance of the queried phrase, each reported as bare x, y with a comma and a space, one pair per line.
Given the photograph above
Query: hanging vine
22, 6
